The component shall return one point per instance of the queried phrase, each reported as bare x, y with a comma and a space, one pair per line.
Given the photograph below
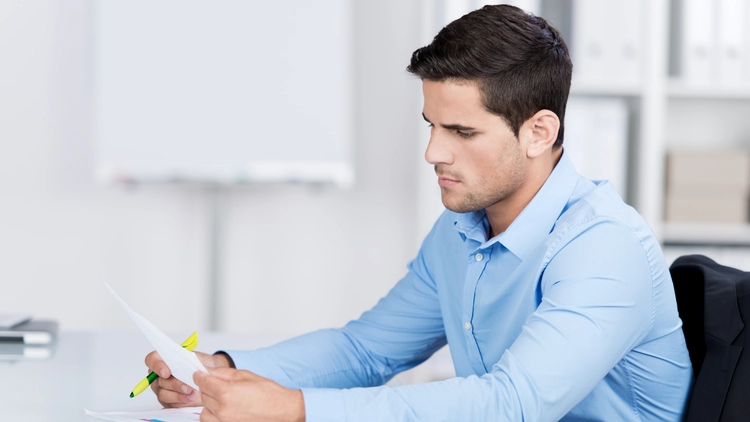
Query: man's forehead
450, 100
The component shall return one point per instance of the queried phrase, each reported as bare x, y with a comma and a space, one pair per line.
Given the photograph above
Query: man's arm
594, 310
401, 331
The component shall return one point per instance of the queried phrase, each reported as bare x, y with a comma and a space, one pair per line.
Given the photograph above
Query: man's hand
231, 395
172, 392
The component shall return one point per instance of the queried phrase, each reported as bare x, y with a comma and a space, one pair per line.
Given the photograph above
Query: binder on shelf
606, 43
454, 9
596, 139
34, 332
530, 6
697, 42
732, 48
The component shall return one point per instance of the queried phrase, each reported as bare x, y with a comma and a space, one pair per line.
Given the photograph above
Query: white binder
530, 6
732, 49
454, 9
698, 56
596, 139
606, 44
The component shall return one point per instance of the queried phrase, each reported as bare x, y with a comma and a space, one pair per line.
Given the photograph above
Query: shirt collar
536, 220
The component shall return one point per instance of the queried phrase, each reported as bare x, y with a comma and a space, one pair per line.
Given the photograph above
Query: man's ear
540, 132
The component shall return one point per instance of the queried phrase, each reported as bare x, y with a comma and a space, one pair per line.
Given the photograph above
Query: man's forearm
325, 358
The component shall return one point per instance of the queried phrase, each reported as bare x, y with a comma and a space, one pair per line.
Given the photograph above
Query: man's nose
437, 150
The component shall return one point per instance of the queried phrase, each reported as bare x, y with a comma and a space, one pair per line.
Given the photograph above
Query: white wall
299, 258
61, 236
294, 258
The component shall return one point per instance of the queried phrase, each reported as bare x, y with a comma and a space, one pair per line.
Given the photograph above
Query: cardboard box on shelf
708, 209
708, 174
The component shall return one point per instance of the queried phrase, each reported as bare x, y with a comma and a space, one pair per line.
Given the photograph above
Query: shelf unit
582, 89
661, 108
677, 90
706, 234
648, 100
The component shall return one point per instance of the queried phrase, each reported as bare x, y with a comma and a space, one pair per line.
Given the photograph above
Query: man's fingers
231, 374
174, 384
169, 398
227, 374
207, 416
199, 378
157, 365
152, 357
209, 384
210, 403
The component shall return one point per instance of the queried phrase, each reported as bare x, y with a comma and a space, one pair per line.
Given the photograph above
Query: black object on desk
18, 352
31, 333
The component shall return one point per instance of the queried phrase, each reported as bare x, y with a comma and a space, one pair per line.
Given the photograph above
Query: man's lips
446, 182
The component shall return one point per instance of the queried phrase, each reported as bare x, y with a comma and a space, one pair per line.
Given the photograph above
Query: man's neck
502, 214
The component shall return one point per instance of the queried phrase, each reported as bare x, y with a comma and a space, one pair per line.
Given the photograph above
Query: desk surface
92, 370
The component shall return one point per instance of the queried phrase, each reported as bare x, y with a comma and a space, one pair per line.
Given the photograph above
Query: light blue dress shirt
569, 314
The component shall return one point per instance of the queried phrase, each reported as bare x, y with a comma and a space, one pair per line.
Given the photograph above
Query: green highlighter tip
132, 395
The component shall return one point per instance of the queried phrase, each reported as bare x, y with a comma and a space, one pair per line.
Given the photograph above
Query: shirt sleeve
401, 331
596, 306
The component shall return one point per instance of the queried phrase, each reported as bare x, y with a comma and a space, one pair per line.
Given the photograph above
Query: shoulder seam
568, 227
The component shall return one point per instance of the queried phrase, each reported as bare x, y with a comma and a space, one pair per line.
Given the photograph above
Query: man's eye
465, 134
430, 126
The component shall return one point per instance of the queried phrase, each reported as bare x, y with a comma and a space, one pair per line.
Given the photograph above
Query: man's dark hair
519, 61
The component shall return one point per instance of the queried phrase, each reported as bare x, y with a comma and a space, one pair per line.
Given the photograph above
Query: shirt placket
477, 261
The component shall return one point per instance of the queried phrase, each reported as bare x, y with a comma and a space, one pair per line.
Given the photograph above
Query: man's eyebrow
451, 126
459, 127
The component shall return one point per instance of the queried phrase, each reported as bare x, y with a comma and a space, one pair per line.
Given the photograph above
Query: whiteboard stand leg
215, 231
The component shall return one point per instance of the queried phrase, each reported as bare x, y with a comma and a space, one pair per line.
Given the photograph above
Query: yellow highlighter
189, 344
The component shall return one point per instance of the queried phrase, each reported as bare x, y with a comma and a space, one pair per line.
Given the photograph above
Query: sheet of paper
184, 414
181, 362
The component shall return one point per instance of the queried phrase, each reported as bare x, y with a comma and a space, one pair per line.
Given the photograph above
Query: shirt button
467, 325
478, 256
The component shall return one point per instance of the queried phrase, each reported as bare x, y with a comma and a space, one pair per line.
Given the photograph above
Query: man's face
478, 160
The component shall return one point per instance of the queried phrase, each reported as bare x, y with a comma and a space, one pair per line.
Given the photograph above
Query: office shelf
678, 90
706, 234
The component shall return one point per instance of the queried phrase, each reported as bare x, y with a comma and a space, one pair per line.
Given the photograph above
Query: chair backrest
714, 303
689, 292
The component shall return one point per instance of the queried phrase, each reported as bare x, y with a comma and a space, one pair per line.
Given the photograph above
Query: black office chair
714, 304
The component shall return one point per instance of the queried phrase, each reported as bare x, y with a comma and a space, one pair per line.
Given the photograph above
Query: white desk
92, 370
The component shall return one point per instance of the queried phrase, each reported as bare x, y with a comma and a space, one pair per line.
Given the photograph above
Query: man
552, 294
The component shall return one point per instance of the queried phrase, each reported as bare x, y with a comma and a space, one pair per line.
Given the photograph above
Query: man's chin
459, 208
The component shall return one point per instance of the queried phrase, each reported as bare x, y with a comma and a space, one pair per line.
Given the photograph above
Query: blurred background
256, 166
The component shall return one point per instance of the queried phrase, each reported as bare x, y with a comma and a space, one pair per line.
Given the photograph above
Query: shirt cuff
323, 405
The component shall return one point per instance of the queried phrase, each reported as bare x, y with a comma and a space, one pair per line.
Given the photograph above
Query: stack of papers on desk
185, 414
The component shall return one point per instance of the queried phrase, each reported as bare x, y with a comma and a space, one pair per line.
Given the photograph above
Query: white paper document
183, 363
185, 414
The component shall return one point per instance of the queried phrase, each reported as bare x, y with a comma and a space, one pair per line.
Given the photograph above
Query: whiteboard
224, 91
